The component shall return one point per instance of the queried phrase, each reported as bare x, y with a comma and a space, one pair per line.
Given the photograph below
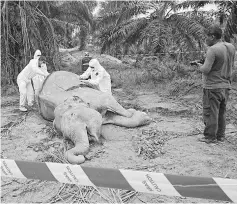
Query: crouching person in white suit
99, 76
24, 80
38, 80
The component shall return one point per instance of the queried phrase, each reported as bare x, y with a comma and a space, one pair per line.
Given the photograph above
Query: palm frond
108, 19
162, 8
187, 25
76, 9
136, 30
159, 34
131, 9
113, 35
190, 4
231, 25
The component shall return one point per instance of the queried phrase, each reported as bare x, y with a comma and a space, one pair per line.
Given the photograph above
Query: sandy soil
176, 122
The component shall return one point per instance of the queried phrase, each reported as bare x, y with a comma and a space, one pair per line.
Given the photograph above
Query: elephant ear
46, 107
58, 82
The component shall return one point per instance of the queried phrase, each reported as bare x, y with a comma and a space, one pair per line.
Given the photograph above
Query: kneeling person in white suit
99, 76
24, 81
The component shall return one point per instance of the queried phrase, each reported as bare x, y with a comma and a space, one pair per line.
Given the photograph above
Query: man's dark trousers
214, 112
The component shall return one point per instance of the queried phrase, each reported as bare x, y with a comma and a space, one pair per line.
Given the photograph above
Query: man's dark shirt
218, 66
85, 63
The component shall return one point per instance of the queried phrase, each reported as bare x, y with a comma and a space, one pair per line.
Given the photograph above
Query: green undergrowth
171, 77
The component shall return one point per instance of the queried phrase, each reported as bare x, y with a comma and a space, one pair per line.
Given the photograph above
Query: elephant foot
138, 119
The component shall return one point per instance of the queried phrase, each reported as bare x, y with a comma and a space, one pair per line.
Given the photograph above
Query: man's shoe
23, 109
208, 141
30, 104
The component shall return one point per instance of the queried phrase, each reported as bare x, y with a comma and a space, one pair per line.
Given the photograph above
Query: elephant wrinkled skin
78, 110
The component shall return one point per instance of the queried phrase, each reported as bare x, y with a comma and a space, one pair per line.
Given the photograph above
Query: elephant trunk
76, 131
73, 156
76, 154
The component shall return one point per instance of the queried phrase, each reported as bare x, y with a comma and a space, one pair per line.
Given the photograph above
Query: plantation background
146, 46
169, 30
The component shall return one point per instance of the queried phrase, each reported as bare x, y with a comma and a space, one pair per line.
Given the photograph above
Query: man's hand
197, 62
92, 82
89, 84
84, 81
193, 63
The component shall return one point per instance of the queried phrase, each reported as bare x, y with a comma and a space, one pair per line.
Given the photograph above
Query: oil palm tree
76, 14
164, 27
31, 25
25, 28
228, 18
226, 14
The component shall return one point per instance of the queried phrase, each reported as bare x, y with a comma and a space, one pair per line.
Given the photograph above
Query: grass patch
9, 90
150, 143
176, 77
183, 87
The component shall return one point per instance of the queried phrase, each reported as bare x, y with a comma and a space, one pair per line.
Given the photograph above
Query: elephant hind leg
94, 128
95, 133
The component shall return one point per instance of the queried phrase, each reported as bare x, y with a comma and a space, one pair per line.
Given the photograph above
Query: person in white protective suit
24, 80
39, 79
99, 76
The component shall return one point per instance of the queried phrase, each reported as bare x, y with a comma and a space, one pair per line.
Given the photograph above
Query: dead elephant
77, 111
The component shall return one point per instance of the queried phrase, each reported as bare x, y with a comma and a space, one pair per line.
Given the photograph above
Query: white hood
95, 63
37, 54
98, 75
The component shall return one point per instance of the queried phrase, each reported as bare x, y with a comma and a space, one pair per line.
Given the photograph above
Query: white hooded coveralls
24, 80
99, 76
38, 80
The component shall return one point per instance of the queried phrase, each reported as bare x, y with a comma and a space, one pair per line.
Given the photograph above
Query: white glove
81, 78
92, 82
44, 67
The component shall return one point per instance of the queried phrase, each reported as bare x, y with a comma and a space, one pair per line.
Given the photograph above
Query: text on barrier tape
140, 181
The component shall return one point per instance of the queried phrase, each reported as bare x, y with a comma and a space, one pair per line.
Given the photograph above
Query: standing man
217, 71
98, 76
24, 80
85, 62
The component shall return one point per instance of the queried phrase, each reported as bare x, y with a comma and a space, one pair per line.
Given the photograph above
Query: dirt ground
177, 124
